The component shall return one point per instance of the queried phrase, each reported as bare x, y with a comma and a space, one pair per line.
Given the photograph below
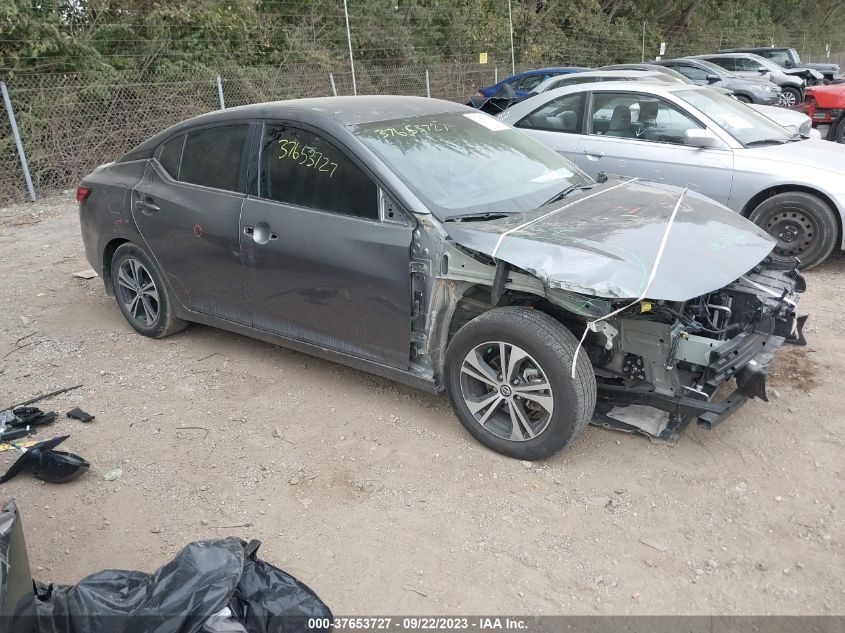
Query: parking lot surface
374, 495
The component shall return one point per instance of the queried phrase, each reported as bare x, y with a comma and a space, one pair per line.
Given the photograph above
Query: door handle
595, 153
146, 207
260, 233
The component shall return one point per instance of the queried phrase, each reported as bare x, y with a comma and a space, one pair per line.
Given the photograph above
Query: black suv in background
786, 57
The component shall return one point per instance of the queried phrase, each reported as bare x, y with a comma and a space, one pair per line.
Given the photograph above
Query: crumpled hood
604, 242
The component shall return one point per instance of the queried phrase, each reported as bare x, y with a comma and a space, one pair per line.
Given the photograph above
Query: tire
518, 425
789, 96
153, 315
803, 224
744, 98
837, 131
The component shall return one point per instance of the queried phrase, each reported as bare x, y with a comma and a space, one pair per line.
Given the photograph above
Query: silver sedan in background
791, 119
690, 136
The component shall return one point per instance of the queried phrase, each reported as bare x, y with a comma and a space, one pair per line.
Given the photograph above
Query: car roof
624, 86
342, 111
754, 48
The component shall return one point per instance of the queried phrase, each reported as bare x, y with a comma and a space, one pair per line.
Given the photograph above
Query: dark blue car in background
525, 82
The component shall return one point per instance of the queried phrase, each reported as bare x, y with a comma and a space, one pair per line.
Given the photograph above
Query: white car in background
790, 119
691, 136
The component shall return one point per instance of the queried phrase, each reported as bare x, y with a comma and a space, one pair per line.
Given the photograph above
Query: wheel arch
108, 256
758, 198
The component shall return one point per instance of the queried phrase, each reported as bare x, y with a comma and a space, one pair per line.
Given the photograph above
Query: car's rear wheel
141, 294
509, 378
804, 226
789, 97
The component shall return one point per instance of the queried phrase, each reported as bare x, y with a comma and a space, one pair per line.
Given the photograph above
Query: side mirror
712, 79
762, 70
788, 63
697, 137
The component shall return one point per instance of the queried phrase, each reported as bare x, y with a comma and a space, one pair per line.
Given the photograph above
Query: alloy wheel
787, 99
506, 391
138, 292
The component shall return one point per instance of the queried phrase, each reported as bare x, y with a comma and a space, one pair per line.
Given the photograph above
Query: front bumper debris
744, 358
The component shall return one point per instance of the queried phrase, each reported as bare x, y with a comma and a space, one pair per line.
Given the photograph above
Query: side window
693, 72
563, 114
728, 63
212, 157
639, 117
170, 155
778, 57
747, 65
529, 83
303, 169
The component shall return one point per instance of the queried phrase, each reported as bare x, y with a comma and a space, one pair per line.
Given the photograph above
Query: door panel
336, 281
706, 171
641, 136
563, 143
193, 234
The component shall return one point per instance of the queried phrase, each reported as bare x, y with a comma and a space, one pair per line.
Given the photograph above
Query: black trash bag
200, 581
17, 601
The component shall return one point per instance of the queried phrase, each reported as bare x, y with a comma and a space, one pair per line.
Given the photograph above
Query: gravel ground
372, 493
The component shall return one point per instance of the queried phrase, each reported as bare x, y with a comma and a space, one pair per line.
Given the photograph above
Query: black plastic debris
78, 414
191, 591
47, 464
32, 416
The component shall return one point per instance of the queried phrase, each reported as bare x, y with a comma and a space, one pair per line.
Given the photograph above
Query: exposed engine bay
674, 356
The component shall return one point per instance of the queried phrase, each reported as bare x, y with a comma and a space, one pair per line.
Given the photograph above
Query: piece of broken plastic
179, 597
79, 414
47, 464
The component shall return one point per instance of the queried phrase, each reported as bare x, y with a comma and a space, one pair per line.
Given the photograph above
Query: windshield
746, 125
461, 163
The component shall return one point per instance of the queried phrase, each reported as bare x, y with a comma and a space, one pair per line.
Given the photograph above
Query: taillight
82, 193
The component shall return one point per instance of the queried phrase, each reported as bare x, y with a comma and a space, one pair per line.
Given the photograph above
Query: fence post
8, 102
642, 57
496, 75
220, 93
510, 23
334, 88
349, 41
427, 85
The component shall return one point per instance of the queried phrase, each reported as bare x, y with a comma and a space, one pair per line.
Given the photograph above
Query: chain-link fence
69, 124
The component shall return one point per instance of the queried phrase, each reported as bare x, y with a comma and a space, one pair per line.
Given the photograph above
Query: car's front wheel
804, 226
141, 294
789, 97
509, 378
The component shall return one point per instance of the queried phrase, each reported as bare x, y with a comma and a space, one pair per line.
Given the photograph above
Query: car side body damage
665, 334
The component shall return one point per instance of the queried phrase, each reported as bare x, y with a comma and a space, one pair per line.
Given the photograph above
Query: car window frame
581, 125
382, 192
243, 169
589, 118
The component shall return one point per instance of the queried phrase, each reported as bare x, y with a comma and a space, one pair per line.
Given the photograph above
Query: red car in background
825, 105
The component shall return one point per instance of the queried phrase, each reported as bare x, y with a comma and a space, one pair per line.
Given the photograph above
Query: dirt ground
373, 494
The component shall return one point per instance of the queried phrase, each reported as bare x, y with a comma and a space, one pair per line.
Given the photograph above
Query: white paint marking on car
591, 325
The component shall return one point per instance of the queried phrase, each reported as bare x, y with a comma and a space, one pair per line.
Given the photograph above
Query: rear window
212, 157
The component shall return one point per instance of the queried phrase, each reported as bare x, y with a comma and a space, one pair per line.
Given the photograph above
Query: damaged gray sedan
434, 245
